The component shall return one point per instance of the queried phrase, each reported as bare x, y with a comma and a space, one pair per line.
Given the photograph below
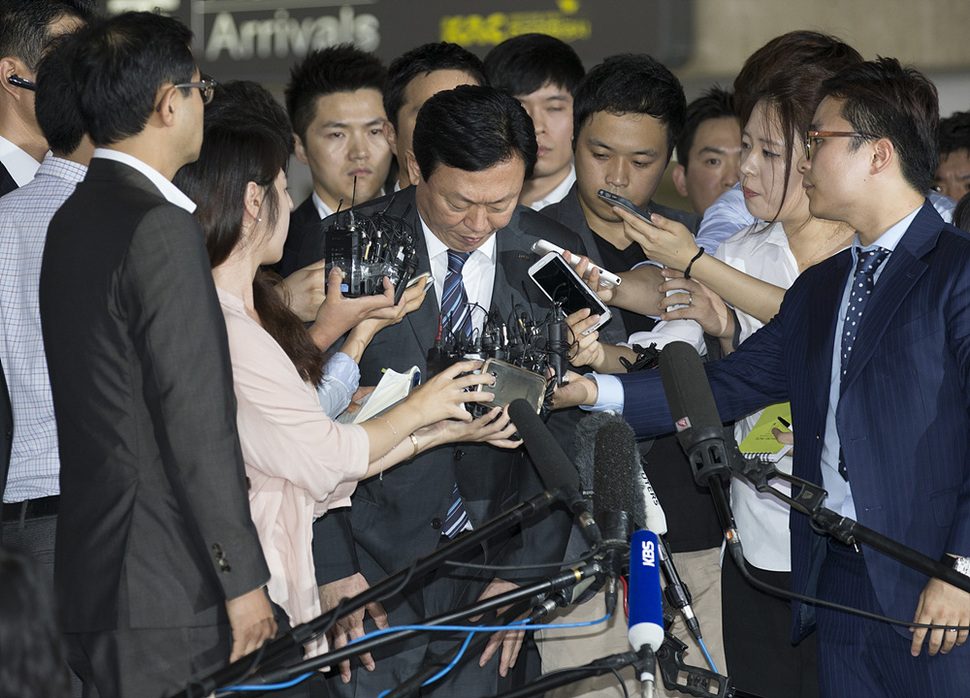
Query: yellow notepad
760, 441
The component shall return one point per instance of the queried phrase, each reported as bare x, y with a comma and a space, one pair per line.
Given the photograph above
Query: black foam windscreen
617, 474
555, 468
584, 446
689, 395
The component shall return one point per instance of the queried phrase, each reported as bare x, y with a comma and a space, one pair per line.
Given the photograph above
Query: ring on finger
690, 298
951, 630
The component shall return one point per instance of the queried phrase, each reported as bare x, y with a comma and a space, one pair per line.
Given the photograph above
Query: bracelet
393, 430
700, 251
414, 440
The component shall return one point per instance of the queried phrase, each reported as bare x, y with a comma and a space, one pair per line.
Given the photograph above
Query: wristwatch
960, 564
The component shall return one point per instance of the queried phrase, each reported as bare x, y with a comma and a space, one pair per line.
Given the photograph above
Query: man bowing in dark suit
872, 348
472, 149
158, 570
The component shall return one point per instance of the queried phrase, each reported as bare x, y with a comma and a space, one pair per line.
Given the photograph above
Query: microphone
618, 503
700, 431
555, 469
646, 610
619, 476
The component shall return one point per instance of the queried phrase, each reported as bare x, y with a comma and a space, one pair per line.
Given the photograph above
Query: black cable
521, 568
787, 594
626, 693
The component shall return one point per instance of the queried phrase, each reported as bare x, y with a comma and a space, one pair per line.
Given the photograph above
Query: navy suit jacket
304, 221
903, 415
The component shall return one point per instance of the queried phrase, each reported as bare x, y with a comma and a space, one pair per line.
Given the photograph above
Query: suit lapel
512, 261
423, 321
824, 301
903, 268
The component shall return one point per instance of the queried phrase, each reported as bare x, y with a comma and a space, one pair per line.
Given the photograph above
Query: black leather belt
31, 509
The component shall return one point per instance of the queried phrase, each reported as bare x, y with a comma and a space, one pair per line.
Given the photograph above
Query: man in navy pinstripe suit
879, 388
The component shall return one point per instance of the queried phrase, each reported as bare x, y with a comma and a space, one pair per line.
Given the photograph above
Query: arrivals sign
261, 39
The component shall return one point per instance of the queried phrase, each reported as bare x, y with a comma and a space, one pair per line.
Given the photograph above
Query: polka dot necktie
456, 317
862, 285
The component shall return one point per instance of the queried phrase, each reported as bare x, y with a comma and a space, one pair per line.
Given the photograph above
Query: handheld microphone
617, 503
700, 431
555, 468
646, 610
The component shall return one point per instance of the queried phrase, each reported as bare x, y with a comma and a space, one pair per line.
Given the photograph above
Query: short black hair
422, 60
247, 100
632, 83
55, 104
472, 128
119, 66
716, 103
343, 68
25, 25
954, 133
523, 64
883, 99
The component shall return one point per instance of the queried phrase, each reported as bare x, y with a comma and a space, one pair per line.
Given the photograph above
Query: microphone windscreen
555, 468
584, 446
617, 474
688, 394
646, 609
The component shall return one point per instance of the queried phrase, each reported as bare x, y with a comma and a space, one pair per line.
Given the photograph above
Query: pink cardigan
298, 461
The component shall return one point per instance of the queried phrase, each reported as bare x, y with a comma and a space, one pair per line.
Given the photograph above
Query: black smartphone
625, 204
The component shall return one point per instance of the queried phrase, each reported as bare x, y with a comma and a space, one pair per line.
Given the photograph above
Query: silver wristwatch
960, 564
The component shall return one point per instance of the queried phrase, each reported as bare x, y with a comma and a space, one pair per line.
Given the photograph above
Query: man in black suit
472, 149
334, 103
158, 568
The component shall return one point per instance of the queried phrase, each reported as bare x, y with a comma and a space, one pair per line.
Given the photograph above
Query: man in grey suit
158, 568
472, 149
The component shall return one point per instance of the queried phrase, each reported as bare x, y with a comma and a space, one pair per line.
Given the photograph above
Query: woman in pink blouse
298, 461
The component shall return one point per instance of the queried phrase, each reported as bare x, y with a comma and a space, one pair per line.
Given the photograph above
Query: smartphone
562, 285
625, 204
512, 383
607, 279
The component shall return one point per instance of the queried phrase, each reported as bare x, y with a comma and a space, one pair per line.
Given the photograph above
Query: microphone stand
560, 581
304, 632
807, 499
670, 660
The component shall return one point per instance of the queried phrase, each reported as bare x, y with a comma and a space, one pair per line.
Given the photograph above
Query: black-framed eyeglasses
22, 82
812, 136
205, 86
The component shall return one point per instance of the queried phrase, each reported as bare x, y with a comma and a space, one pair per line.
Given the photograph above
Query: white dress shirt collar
21, 166
557, 194
322, 209
172, 193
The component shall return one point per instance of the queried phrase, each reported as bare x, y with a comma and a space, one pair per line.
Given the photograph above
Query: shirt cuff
341, 378
609, 395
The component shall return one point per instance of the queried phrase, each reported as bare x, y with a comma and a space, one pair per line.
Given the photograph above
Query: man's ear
10, 66
166, 107
679, 175
883, 154
299, 149
391, 135
414, 172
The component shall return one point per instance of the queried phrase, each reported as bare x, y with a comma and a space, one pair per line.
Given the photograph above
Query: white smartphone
607, 279
564, 286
